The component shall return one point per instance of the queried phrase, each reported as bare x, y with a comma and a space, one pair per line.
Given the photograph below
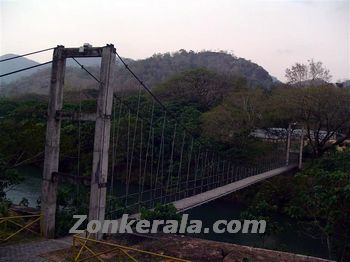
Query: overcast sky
274, 34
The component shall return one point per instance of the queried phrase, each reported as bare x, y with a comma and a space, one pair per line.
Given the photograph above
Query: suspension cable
87, 71
24, 69
160, 162
175, 118
31, 53
115, 96
208, 172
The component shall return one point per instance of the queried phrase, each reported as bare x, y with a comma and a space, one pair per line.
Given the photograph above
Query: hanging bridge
143, 153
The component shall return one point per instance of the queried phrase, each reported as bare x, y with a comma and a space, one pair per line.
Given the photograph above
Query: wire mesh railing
154, 160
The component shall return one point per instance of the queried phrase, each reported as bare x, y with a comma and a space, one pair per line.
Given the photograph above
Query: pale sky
274, 34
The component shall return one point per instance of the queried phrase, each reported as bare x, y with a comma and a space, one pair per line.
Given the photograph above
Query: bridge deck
205, 197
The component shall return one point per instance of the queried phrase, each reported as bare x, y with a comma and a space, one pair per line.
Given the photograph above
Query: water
289, 240
29, 188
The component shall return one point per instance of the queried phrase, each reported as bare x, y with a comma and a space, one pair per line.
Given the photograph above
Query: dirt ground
188, 248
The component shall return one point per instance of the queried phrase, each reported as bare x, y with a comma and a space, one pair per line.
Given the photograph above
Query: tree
321, 203
317, 199
200, 88
240, 113
262, 210
324, 111
8, 178
297, 73
312, 72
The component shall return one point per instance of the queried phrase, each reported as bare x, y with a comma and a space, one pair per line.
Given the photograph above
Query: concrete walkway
200, 199
30, 251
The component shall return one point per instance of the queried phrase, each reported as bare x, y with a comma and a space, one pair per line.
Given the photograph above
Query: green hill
153, 71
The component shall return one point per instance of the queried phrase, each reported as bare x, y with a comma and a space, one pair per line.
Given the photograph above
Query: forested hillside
152, 71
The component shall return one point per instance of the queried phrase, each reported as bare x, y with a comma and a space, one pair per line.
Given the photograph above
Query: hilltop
15, 64
152, 71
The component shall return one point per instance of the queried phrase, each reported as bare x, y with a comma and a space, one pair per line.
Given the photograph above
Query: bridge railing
12, 226
158, 155
211, 175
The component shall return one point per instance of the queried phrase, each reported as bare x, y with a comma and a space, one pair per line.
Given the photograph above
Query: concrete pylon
102, 136
49, 185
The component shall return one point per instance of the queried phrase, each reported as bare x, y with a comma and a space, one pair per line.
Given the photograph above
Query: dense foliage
8, 178
161, 212
318, 198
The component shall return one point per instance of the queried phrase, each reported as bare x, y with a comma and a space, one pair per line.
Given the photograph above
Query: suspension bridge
151, 150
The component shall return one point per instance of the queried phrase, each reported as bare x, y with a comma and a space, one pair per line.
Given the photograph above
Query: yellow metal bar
101, 253
25, 227
19, 216
128, 255
17, 224
73, 249
41, 225
92, 252
81, 249
134, 249
2, 220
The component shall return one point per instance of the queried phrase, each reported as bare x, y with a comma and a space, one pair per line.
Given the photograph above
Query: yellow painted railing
24, 223
123, 251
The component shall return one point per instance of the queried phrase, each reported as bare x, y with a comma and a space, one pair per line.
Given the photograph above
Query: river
29, 188
288, 240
